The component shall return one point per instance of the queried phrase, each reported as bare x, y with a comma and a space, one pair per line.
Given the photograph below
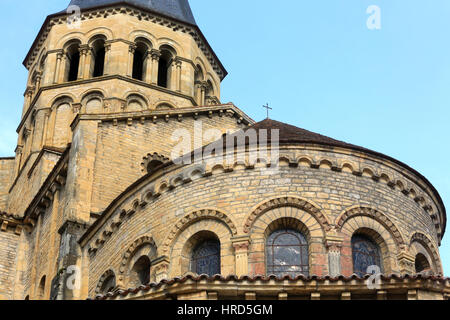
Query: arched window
108, 284
41, 288
139, 60
140, 273
287, 253
421, 263
72, 62
136, 103
165, 60
366, 253
199, 76
98, 57
206, 258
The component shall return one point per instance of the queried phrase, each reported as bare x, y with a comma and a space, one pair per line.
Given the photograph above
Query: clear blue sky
315, 62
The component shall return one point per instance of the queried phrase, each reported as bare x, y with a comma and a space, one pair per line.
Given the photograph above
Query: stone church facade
94, 204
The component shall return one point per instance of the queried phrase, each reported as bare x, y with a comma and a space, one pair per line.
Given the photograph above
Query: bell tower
112, 57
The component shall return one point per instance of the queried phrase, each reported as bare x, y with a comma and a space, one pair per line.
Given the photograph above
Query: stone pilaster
160, 268
69, 262
241, 245
406, 262
334, 245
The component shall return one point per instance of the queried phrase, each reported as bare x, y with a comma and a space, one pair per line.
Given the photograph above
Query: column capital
178, 61
84, 48
132, 48
333, 242
29, 91
241, 243
19, 149
76, 107
406, 262
155, 54
108, 44
60, 53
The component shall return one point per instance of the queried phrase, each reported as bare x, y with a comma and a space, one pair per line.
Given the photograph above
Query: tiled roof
302, 280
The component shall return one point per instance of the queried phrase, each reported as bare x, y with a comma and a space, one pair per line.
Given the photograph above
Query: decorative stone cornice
55, 180
11, 223
166, 115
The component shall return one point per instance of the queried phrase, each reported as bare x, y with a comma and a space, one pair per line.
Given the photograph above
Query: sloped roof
300, 280
178, 9
292, 134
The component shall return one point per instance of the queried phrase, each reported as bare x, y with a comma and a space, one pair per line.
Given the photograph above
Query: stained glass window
287, 253
206, 258
365, 253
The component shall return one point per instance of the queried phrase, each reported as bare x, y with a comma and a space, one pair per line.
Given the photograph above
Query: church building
132, 180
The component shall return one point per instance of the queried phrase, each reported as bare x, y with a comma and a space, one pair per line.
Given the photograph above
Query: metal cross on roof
267, 108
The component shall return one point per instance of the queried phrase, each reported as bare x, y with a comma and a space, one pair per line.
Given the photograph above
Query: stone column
28, 98
39, 129
148, 68
45, 128
131, 51
19, 151
178, 65
172, 85
198, 89
28, 136
62, 68
58, 66
38, 80
107, 67
334, 245
241, 245
85, 62
203, 87
84, 49
156, 54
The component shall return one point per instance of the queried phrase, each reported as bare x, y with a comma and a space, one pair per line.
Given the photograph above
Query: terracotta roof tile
261, 278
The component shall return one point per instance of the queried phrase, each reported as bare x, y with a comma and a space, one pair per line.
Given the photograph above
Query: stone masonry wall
9, 242
239, 192
6, 171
